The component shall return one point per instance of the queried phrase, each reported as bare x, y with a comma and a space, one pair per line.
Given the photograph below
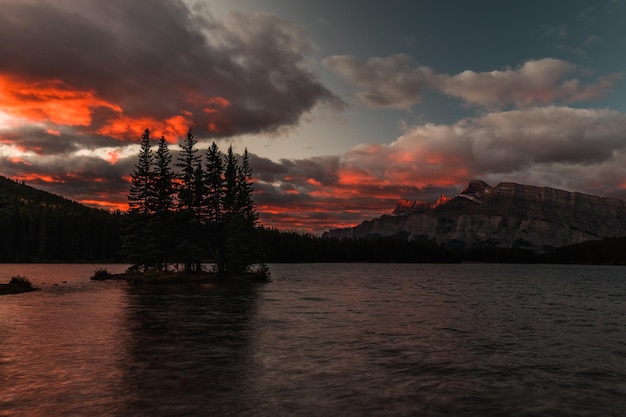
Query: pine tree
229, 201
228, 226
163, 179
198, 202
160, 224
214, 184
240, 218
248, 216
189, 236
141, 195
139, 244
187, 162
245, 189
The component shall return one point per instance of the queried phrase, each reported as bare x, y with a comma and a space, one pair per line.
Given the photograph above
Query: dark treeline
279, 246
608, 251
39, 226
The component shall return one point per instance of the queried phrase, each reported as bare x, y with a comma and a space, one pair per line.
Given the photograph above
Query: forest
37, 226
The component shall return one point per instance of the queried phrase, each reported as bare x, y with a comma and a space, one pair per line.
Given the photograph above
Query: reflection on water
188, 349
60, 347
377, 340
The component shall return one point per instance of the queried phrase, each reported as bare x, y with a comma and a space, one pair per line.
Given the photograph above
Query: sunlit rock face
417, 206
507, 215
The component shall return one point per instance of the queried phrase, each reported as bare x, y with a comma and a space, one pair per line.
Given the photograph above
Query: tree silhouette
163, 180
210, 215
161, 224
187, 162
213, 183
139, 244
141, 194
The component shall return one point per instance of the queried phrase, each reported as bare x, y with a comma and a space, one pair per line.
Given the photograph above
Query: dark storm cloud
158, 59
53, 142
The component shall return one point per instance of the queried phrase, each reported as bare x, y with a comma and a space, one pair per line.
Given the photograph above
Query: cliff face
507, 215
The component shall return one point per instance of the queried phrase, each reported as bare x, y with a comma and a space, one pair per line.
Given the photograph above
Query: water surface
321, 340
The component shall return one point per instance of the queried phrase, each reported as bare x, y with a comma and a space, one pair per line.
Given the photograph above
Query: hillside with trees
37, 226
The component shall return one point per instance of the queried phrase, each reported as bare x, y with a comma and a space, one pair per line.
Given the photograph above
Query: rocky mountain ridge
509, 215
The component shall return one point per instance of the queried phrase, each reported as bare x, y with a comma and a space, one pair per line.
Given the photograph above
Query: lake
320, 340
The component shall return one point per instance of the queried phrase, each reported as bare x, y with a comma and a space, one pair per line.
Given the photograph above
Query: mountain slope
508, 215
39, 226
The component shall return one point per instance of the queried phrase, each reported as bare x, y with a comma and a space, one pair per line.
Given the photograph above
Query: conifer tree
161, 225
141, 195
214, 184
139, 244
247, 249
188, 239
187, 162
227, 254
245, 188
163, 179
198, 202
229, 202
239, 222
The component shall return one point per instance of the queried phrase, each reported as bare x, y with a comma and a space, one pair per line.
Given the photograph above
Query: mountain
39, 226
508, 215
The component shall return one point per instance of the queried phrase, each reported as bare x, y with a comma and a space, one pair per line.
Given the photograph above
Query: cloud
594, 40
395, 82
563, 147
80, 81
556, 32
502, 145
119, 63
576, 149
86, 179
73, 105
535, 82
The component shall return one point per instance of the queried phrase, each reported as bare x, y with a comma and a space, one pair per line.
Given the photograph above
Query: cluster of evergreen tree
203, 212
39, 226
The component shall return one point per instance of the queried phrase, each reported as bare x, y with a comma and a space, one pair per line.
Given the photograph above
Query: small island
258, 274
17, 285
179, 221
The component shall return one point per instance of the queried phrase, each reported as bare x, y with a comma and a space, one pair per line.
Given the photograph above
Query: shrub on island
18, 284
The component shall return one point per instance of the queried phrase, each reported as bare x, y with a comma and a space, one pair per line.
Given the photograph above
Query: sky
345, 106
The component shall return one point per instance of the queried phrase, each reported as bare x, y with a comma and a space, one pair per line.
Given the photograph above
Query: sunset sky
346, 106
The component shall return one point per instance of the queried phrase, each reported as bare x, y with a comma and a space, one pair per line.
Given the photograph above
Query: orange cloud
125, 127
353, 176
215, 104
56, 102
37, 177
114, 157
49, 100
105, 204
16, 160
